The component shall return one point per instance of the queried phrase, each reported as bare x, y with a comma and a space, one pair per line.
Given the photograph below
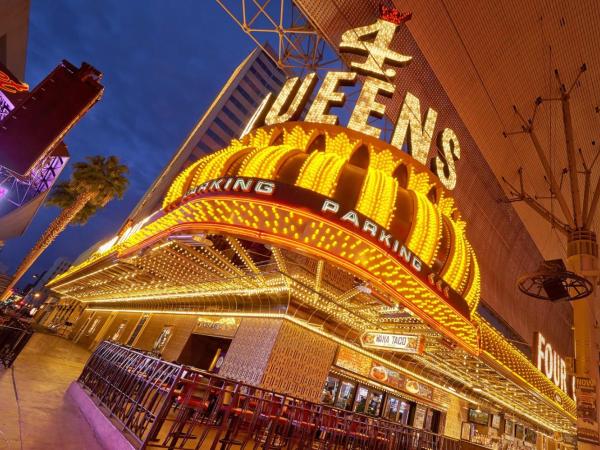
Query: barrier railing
14, 335
164, 405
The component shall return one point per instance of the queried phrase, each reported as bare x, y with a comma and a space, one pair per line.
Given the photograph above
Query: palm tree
93, 184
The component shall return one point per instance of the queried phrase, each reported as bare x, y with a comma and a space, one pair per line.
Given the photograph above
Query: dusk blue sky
163, 63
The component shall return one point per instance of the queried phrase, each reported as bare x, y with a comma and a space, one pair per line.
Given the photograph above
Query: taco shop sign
405, 343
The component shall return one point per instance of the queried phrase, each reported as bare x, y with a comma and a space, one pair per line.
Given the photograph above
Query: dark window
224, 127
215, 137
253, 86
204, 148
261, 79
239, 105
247, 96
232, 116
271, 70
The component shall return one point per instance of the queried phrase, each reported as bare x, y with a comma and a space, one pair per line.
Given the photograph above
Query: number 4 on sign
374, 40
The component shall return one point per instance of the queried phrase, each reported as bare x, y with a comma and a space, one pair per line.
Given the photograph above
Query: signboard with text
587, 410
217, 326
405, 343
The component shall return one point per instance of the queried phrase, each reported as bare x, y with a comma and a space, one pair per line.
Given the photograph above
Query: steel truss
17, 190
280, 24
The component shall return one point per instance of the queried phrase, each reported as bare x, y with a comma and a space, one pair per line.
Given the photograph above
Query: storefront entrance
204, 352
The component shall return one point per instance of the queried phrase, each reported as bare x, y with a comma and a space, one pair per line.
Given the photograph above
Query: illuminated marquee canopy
359, 185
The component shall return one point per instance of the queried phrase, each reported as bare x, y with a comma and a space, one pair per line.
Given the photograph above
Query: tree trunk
51, 233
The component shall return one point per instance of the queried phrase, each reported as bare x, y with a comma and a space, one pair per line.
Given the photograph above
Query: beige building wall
182, 328
86, 340
14, 29
455, 416
81, 322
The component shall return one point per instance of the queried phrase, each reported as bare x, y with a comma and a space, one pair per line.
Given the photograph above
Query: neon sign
11, 86
372, 42
549, 362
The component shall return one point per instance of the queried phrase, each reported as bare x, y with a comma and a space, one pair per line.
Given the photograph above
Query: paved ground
37, 415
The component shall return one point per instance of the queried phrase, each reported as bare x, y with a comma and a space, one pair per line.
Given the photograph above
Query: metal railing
135, 387
164, 405
14, 335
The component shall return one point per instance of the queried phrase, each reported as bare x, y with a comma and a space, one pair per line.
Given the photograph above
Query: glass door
360, 404
374, 403
392, 408
368, 401
330, 390
404, 415
345, 395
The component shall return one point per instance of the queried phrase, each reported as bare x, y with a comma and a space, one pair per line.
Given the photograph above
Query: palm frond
103, 176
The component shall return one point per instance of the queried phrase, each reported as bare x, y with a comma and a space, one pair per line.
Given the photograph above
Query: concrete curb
107, 434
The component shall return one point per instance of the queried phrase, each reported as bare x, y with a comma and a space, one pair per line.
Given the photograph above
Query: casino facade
323, 262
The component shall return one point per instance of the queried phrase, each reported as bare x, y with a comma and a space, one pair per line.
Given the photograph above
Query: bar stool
303, 423
271, 422
200, 405
358, 433
332, 429
241, 419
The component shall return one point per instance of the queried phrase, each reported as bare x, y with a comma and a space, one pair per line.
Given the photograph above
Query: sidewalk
38, 416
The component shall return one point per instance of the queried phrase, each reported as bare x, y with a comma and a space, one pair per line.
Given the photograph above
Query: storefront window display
138, 329
519, 431
432, 420
93, 327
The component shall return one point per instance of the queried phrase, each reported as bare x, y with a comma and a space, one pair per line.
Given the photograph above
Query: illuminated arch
390, 179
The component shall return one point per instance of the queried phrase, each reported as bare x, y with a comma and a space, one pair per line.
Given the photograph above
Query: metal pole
568, 124
547, 169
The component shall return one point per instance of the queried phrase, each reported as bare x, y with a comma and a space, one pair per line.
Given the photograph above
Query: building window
253, 86
239, 105
232, 116
273, 71
138, 328
204, 148
93, 327
247, 96
266, 84
224, 127
215, 137
163, 339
